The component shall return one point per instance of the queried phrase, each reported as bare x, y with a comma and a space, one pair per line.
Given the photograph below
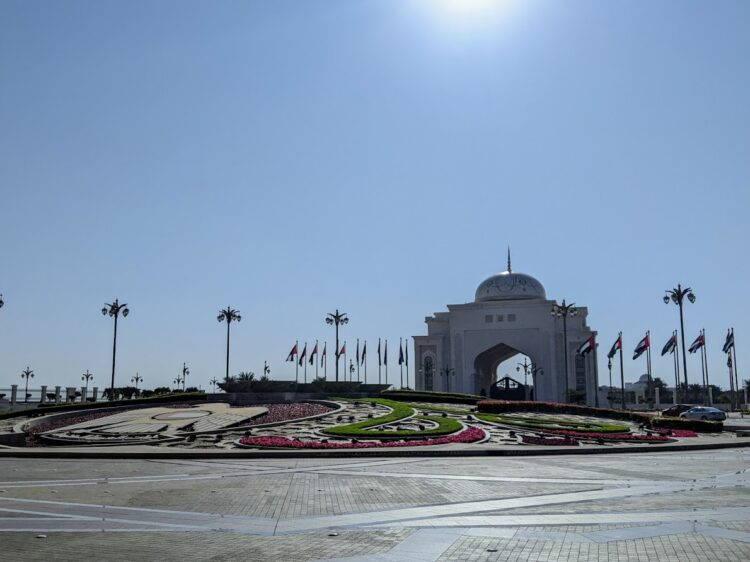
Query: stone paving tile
114, 546
682, 548
289, 495
699, 499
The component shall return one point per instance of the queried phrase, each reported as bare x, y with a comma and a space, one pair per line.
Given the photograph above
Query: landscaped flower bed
553, 441
547, 423
31, 433
398, 412
468, 435
613, 436
288, 412
445, 426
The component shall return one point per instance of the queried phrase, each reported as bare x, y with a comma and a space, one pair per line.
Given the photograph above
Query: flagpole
622, 374
731, 376
305, 359
364, 360
345, 367
358, 378
296, 363
650, 388
596, 374
386, 361
316, 360
379, 363
609, 394
736, 376
406, 358
401, 364
325, 361
709, 398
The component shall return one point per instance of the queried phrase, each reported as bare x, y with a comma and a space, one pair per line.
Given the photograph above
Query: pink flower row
534, 440
288, 412
609, 436
468, 435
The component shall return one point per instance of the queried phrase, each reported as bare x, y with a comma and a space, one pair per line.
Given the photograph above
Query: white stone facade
510, 315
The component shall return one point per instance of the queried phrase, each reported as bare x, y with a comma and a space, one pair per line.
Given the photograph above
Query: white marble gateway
510, 315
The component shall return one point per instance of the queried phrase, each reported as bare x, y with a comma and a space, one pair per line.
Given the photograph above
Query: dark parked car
676, 410
704, 413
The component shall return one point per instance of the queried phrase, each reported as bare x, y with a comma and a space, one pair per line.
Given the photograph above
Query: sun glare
471, 11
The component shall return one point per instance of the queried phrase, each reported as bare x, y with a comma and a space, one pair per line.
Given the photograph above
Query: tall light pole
563, 311
27, 374
114, 310
136, 379
337, 319
185, 373
677, 296
228, 315
448, 371
86, 377
213, 382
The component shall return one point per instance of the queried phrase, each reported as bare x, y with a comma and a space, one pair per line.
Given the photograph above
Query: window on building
500, 317
429, 368
488, 318
511, 317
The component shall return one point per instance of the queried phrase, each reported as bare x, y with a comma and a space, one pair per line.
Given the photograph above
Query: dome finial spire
509, 268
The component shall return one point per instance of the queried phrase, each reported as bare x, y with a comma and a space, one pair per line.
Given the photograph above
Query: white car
704, 413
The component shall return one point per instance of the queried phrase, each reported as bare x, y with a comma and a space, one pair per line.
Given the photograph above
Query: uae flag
642, 346
304, 354
357, 356
729, 343
697, 344
385, 353
400, 353
292, 353
364, 353
406, 354
586, 347
323, 355
314, 353
380, 361
615, 346
670, 346
342, 350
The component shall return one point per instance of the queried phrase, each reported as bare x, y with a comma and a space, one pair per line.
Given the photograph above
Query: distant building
510, 315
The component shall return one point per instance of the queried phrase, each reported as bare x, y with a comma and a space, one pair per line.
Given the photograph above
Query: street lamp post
178, 380
677, 296
213, 382
228, 315
185, 373
114, 309
564, 311
266, 368
351, 369
337, 319
136, 379
86, 377
448, 371
27, 374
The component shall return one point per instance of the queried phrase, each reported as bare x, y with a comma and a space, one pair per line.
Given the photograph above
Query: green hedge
683, 423
446, 426
44, 409
508, 406
426, 396
555, 424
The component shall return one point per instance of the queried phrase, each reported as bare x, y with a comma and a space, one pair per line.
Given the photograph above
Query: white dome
509, 285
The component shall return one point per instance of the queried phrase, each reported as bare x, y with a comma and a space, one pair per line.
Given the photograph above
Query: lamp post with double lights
677, 296
27, 374
528, 369
337, 319
448, 372
228, 315
136, 379
86, 377
564, 311
185, 373
114, 309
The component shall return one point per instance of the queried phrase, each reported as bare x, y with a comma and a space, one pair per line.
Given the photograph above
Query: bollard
657, 398
13, 394
57, 395
83, 393
43, 399
95, 394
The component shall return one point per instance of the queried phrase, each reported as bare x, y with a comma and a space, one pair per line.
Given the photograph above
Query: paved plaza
648, 506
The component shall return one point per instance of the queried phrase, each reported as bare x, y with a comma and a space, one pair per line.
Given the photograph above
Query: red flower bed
555, 441
288, 412
610, 436
468, 435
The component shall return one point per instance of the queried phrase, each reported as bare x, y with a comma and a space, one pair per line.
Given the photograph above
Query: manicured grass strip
399, 411
445, 426
447, 410
552, 424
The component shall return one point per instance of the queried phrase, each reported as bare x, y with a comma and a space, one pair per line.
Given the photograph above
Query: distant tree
162, 390
192, 389
246, 377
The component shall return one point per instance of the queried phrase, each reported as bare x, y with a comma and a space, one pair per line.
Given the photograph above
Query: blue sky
288, 158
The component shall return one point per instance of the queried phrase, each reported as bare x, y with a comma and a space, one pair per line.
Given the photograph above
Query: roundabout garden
396, 419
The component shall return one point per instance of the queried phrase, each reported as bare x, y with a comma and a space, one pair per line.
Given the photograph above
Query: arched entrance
502, 357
